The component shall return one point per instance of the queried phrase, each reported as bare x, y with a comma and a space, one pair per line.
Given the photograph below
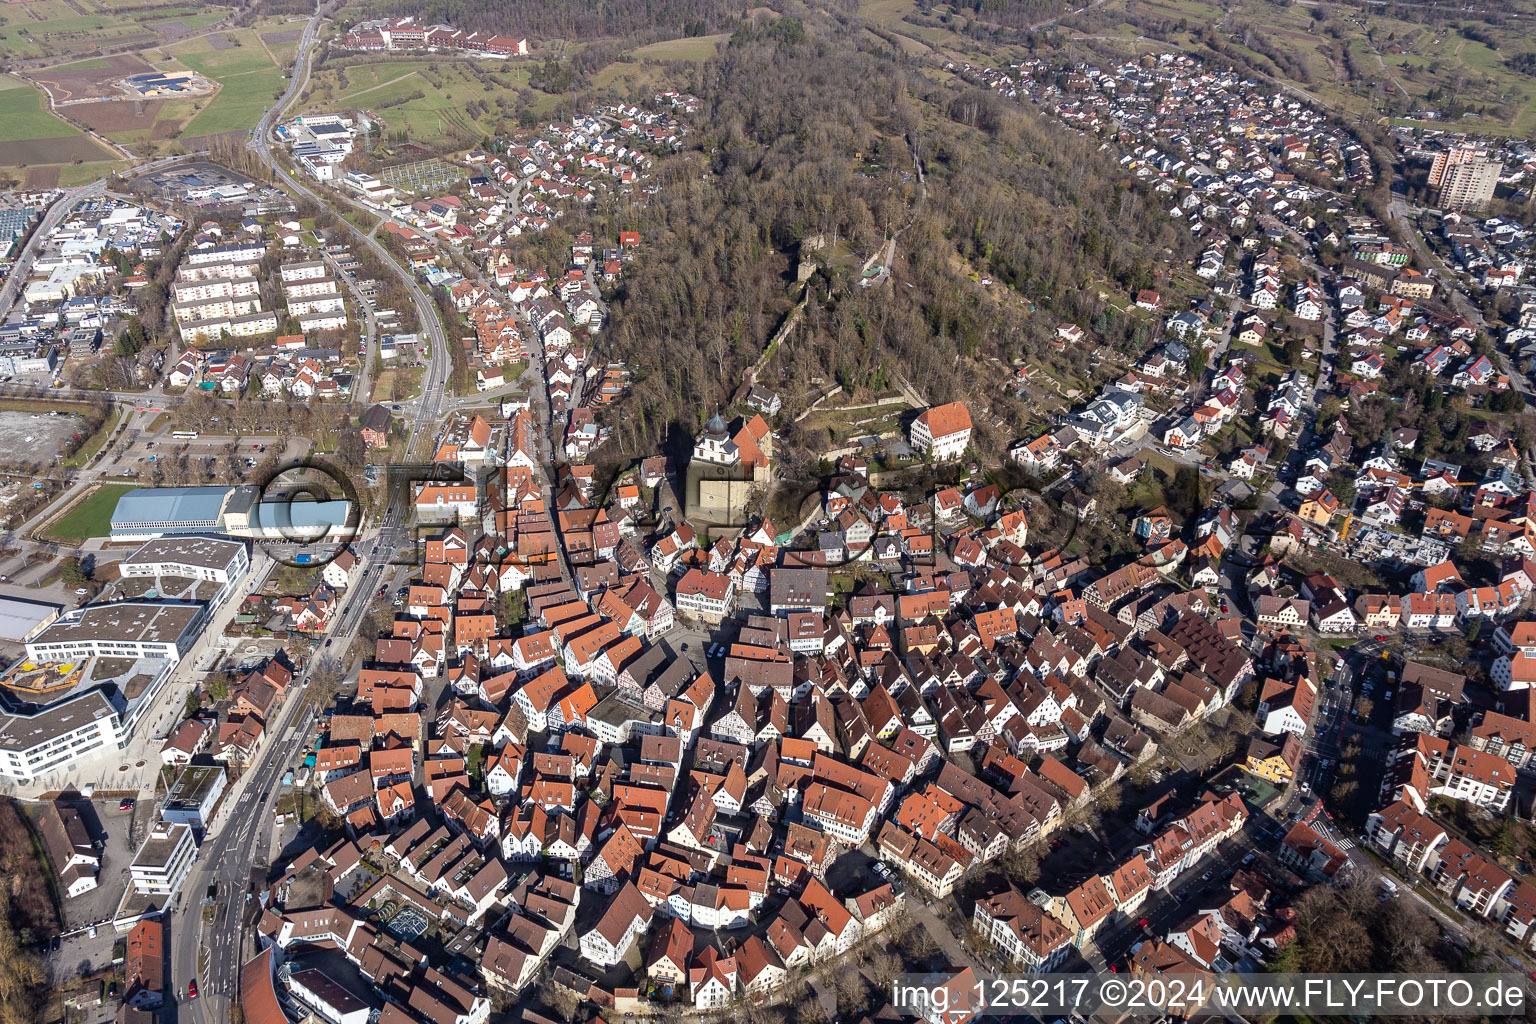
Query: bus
184, 435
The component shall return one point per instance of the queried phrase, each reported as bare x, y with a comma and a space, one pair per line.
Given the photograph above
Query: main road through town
434, 381
211, 951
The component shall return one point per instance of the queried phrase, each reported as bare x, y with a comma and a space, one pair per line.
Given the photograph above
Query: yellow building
1380, 611
1273, 760
1319, 510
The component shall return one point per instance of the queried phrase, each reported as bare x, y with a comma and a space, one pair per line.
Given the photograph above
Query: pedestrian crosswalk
1339, 839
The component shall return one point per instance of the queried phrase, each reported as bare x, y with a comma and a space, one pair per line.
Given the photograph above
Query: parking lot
190, 182
79, 952
137, 455
860, 870
39, 432
23, 580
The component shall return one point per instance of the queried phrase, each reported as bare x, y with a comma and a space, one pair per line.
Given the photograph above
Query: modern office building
122, 629
93, 674
194, 796
165, 860
198, 558
35, 741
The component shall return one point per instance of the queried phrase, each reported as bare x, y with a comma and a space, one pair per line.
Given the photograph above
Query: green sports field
91, 517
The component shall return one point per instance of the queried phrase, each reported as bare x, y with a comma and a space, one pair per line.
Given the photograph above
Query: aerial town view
828, 511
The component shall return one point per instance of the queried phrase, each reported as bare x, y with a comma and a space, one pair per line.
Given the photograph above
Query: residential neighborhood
661, 549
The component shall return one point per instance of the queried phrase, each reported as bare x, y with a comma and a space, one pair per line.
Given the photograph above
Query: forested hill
807, 136
582, 20
588, 20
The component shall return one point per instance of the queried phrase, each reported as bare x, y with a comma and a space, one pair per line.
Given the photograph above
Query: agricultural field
93, 79
185, 20
248, 76
243, 63
125, 122
31, 136
222, 55
46, 28
695, 48
24, 114
77, 91
281, 37
421, 100
70, 175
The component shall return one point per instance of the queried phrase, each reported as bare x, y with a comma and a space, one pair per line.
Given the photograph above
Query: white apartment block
215, 271
1485, 788
312, 270
310, 286
247, 326
185, 292
214, 308
250, 252
322, 321
331, 303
